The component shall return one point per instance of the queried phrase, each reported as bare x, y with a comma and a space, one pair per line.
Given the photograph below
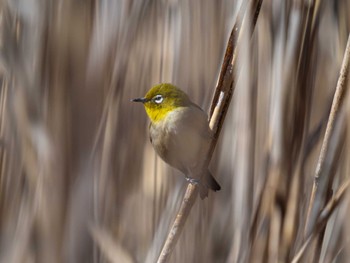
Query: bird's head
163, 99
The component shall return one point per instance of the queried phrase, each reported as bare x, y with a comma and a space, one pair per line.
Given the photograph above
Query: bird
180, 134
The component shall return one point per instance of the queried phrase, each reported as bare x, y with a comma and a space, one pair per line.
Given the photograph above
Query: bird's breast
182, 138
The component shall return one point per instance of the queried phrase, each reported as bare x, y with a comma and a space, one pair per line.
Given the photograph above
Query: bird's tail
208, 182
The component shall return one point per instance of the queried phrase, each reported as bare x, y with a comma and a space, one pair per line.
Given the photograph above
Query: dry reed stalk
3, 148
337, 101
323, 219
284, 187
219, 107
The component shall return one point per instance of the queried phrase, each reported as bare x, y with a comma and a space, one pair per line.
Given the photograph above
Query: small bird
179, 132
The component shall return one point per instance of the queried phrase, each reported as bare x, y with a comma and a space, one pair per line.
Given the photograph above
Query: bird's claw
192, 180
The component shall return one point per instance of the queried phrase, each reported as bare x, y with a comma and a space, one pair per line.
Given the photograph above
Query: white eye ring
158, 99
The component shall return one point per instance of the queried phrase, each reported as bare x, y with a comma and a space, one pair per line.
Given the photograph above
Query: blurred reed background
79, 180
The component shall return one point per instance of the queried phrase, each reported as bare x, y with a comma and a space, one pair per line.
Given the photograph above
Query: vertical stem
339, 92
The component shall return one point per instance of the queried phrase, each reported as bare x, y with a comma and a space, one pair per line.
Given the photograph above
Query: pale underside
182, 139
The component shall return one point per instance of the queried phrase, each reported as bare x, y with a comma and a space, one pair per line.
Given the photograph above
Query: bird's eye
158, 99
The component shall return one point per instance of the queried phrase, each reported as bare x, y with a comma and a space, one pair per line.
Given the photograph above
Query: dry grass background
79, 181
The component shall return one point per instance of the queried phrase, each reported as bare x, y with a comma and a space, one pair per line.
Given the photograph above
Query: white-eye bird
180, 134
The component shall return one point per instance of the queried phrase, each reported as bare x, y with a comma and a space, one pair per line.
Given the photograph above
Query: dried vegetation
79, 181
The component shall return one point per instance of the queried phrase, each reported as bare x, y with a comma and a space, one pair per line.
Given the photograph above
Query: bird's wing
189, 138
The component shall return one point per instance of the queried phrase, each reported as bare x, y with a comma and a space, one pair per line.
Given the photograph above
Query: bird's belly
183, 149
165, 146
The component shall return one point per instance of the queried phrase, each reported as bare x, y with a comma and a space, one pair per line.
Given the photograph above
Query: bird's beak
143, 100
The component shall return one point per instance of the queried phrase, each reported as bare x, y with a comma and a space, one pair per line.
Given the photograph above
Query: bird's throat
158, 114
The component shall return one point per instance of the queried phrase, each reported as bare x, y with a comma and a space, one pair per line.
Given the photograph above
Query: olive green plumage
180, 134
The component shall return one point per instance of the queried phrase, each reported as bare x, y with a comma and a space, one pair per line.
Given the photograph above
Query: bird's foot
192, 180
